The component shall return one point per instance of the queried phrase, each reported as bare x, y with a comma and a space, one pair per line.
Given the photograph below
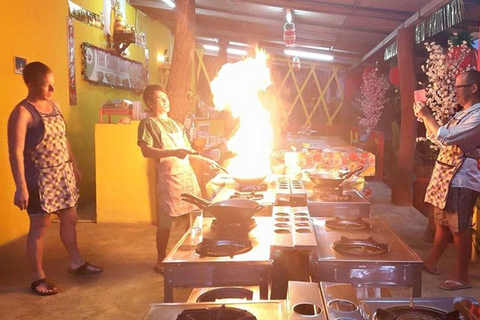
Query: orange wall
36, 30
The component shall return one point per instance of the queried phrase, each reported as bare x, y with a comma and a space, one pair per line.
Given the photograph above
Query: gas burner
360, 247
417, 312
345, 224
221, 313
249, 196
252, 187
222, 248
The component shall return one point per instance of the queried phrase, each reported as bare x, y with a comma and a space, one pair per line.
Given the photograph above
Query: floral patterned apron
448, 162
174, 176
56, 180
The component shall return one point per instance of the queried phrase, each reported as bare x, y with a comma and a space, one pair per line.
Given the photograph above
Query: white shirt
465, 134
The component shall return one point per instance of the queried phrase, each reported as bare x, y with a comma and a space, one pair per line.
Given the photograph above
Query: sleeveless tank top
33, 137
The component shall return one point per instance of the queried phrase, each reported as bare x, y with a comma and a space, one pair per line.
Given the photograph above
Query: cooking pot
326, 180
228, 211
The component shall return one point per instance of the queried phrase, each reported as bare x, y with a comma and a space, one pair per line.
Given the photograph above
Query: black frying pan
328, 181
228, 211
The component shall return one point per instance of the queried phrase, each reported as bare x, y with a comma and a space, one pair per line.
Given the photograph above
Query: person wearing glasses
45, 173
455, 182
163, 139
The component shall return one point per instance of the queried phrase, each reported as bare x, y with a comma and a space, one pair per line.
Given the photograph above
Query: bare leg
440, 243
38, 226
463, 245
162, 240
429, 234
68, 235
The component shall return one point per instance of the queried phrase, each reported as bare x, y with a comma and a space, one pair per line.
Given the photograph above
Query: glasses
464, 85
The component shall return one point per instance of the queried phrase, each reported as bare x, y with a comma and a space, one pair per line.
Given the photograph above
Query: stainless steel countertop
261, 237
381, 232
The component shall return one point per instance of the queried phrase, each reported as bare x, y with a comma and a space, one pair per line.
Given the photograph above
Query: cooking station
185, 267
337, 202
364, 252
303, 301
344, 301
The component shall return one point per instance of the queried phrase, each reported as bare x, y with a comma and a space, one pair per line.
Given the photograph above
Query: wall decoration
289, 35
442, 19
19, 64
72, 84
85, 16
103, 67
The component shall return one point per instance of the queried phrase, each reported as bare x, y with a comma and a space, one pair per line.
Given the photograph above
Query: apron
56, 181
174, 175
448, 162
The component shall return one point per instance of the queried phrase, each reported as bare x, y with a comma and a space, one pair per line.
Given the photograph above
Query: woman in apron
45, 173
163, 139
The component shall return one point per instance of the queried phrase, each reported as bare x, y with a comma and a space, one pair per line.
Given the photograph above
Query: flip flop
453, 285
158, 270
424, 268
85, 269
50, 287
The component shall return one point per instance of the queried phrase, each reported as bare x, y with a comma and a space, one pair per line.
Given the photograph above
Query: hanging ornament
394, 76
289, 31
296, 63
289, 34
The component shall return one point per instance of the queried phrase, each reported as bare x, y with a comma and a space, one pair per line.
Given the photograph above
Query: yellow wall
125, 179
36, 30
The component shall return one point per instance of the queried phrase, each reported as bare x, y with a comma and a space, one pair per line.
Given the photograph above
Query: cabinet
125, 180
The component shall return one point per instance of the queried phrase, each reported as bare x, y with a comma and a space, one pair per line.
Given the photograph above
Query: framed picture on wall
19, 64
102, 67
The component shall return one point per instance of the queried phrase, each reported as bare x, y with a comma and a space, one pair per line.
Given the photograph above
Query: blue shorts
34, 208
457, 214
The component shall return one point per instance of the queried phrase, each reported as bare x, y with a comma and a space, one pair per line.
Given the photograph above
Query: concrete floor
128, 284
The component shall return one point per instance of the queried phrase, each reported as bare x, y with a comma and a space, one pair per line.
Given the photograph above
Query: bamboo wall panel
313, 95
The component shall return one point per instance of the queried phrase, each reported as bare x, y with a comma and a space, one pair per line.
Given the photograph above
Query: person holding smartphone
455, 182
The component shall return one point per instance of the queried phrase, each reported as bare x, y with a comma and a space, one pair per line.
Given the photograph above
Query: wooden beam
181, 70
401, 191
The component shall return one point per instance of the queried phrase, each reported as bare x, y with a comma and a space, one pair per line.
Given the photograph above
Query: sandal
452, 285
435, 273
158, 270
85, 269
51, 289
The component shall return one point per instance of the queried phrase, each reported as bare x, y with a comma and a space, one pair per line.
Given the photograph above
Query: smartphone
420, 95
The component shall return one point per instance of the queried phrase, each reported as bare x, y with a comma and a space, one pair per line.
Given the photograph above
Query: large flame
236, 88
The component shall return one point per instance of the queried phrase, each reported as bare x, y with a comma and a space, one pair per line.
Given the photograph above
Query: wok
328, 181
228, 211
243, 181
249, 181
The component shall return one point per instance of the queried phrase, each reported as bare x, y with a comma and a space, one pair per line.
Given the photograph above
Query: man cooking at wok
163, 139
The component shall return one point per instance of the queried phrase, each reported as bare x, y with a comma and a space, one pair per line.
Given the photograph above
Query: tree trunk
402, 185
179, 81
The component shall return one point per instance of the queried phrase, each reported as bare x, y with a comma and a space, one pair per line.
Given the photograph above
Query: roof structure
355, 32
